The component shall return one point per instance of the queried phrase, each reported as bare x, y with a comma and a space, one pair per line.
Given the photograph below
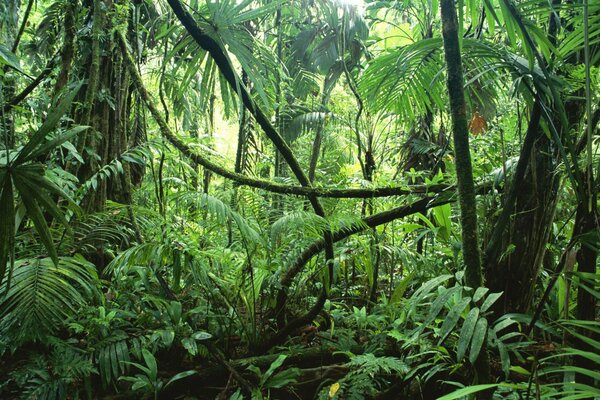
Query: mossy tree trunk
464, 169
514, 254
462, 154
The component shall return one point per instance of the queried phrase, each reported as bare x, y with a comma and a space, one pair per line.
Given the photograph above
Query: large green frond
43, 295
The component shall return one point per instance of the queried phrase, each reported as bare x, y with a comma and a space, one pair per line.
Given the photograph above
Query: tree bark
68, 50
460, 133
464, 170
514, 253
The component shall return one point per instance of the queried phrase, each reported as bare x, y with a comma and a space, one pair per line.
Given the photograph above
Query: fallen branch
216, 353
305, 358
421, 206
373, 221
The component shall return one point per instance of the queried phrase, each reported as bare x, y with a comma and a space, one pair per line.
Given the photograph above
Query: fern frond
307, 223
42, 296
221, 211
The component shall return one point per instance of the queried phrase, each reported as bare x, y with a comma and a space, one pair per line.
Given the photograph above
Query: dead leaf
478, 124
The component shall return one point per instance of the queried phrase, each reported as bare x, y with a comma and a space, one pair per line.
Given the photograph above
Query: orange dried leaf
478, 124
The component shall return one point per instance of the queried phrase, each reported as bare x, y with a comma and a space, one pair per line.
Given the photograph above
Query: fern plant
43, 295
366, 377
59, 375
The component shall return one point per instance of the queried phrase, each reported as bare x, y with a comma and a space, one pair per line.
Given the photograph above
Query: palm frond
144, 254
304, 122
408, 80
307, 224
221, 211
112, 356
43, 295
108, 229
402, 80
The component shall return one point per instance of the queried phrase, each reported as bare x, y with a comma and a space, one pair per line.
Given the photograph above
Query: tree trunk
513, 263
517, 245
460, 133
8, 34
464, 171
68, 50
107, 115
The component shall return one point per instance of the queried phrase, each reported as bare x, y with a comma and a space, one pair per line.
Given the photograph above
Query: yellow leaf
333, 389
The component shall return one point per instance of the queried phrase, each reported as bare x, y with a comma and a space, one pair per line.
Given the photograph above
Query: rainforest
299, 199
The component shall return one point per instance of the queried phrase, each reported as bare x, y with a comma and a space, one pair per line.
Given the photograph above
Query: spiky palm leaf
22, 170
43, 295
221, 212
225, 21
103, 229
408, 80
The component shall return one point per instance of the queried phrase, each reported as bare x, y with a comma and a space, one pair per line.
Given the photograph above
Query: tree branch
372, 221
222, 61
264, 184
31, 87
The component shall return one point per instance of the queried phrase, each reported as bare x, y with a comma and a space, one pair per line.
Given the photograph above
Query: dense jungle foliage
301, 199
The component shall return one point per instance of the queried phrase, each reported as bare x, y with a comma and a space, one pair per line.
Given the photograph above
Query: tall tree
462, 153
513, 255
464, 169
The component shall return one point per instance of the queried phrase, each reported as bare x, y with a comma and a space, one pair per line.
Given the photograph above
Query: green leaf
430, 285
284, 378
466, 333
138, 384
190, 345
478, 338
489, 301
457, 394
439, 303
103, 359
519, 370
237, 395
44, 183
43, 296
401, 288
441, 215
504, 323
479, 293
29, 198
114, 359
504, 358
49, 124
41, 197
575, 352
46, 147
145, 370
452, 318
167, 336
256, 12
180, 375
569, 368
201, 335
274, 365
151, 363
9, 58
